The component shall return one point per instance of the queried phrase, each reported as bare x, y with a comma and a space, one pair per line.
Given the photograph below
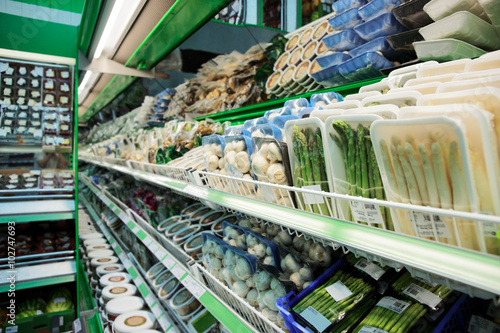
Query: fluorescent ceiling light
117, 25
88, 81
85, 80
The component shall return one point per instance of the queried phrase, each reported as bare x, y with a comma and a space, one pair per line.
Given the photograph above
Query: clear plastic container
385, 111
325, 114
477, 75
344, 40
438, 78
345, 20
349, 104
484, 63
381, 25
345, 179
382, 87
364, 66
439, 143
411, 14
377, 7
359, 96
463, 26
455, 66
446, 49
492, 81
402, 99
439, 9
424, 88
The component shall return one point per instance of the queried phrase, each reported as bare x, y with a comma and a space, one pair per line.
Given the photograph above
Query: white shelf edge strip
149, 296
474, 269
192, 284
36, 207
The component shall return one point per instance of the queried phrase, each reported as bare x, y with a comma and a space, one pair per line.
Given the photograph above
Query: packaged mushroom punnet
484, 160
234, 235
284, 111
430, 167
237, 164
355, 170
270, 165
308, 162
212, 251
213, 147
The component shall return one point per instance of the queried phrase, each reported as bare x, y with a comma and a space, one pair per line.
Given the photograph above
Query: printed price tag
312, 199
316, 319
168, 262
490, 229
422, 295
156, 311
58, 300
11, 329
424, 225
370, 268
373, 214
481, 325
153, 247
369, 329
194, 287
358, 211
338, 291
393, 304
233, 172
77, 326
164, 323
268, 194
178, 271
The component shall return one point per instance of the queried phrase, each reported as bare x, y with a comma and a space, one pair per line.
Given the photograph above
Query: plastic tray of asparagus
309, 164
391, 315
355, 170
334, 298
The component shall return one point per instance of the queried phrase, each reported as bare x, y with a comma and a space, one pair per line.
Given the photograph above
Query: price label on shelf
358, 211
150, 299
164, 323
156, 310
168, 262
422, 295
370, 268
312, 199
490, 229
194, 287
178, 271
393, 304
338, 291
425, 224
160, 254
153, 247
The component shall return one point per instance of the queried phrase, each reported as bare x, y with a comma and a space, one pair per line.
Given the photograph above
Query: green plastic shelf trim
211, 303
89, 21
470, 268
39, 283
239, 115
86, 299
180, 22
37, 217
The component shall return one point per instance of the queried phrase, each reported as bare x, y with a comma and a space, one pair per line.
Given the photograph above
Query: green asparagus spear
411, 181
443, 184
365, 190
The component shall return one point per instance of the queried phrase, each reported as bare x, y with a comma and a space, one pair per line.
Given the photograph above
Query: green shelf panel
39, 283
37, 217
89, 21
85, 295
237, 116
180, 22
93, 324
219, 311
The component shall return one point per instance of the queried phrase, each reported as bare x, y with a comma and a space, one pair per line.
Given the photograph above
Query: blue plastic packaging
379, 44
381, 25
266, 241
341, 5
253, 122
365, 66
332, 59
329, 76
214, 138
284, 111
306, 111
345, 40
281, 120
236, 130
266, 131
345, 20
377, 7
323, 99
294, 104
239, 230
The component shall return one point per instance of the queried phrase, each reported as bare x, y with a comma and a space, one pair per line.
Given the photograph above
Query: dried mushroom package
355, 170
309, 164
431, 166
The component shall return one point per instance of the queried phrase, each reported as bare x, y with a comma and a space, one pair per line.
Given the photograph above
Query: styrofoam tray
385, 111
492, 81
455, 66
359, 96
424, 88
437, 78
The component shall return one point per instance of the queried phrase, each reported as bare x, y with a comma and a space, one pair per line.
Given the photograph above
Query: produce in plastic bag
323, 99
263, 248
237, 164
234, 235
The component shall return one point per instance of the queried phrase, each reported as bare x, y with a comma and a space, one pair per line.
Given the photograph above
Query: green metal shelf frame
237, 116
469, 268
211, 302
180, 22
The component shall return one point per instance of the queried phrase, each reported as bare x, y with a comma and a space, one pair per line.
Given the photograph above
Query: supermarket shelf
31, 149
253, 111
39, 275
472, 272
43, 210
212, 303
87, 302
163, 319
180, 22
